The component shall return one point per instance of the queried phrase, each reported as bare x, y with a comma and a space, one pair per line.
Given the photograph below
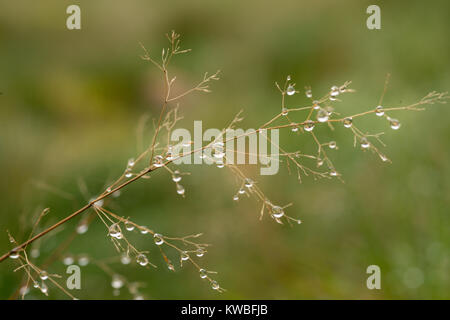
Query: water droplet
159, 161
176, 177
180, 189
322, 115
68, 260
44, 288
125, 259
319, 162
143, 230
117, 281
97, 204
330, 110
333, 173
14, 255
334, 91
379, 111
277, 212
248, 183
235, 197
220, 164
116, 194
184, 256
215, 285
316, 105
332, 144
24, 290
158, 239
284, 111
128, 175
129, 226
365, 143
82, 227
115, 231
138, 297
348, 122
308, 93
43, 275
290, 90
309, 125
83, 260
35, 253
294, 127
241, 191
203, 273
199, 252
131, 163
395, 124
169, 153
142, 259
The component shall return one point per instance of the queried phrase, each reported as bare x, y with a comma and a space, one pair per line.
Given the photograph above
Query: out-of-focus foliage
72, 100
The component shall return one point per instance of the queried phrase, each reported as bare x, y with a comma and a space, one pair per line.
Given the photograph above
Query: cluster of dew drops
141, 258
43, 276
324, 113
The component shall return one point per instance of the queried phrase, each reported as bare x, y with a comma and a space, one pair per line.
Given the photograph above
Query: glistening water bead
129, 226
159, 161
158, 239
348, 122
309, 125
365, 143
379, 111
180, 189
200, 252
142, 259
277, 212
117, 281
43, 275
184, 256
215, 285
125, 259
176, 177
83, 260
203, 274
322, 115
44, 288
308, 93
290, 90
114, 231
332, 144
334, 91
68, 260
14, 255
82, 227
248, 183
395, 124
218, 150
316, 105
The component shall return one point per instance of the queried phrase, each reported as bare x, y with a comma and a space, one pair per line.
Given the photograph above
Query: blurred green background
71, 102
